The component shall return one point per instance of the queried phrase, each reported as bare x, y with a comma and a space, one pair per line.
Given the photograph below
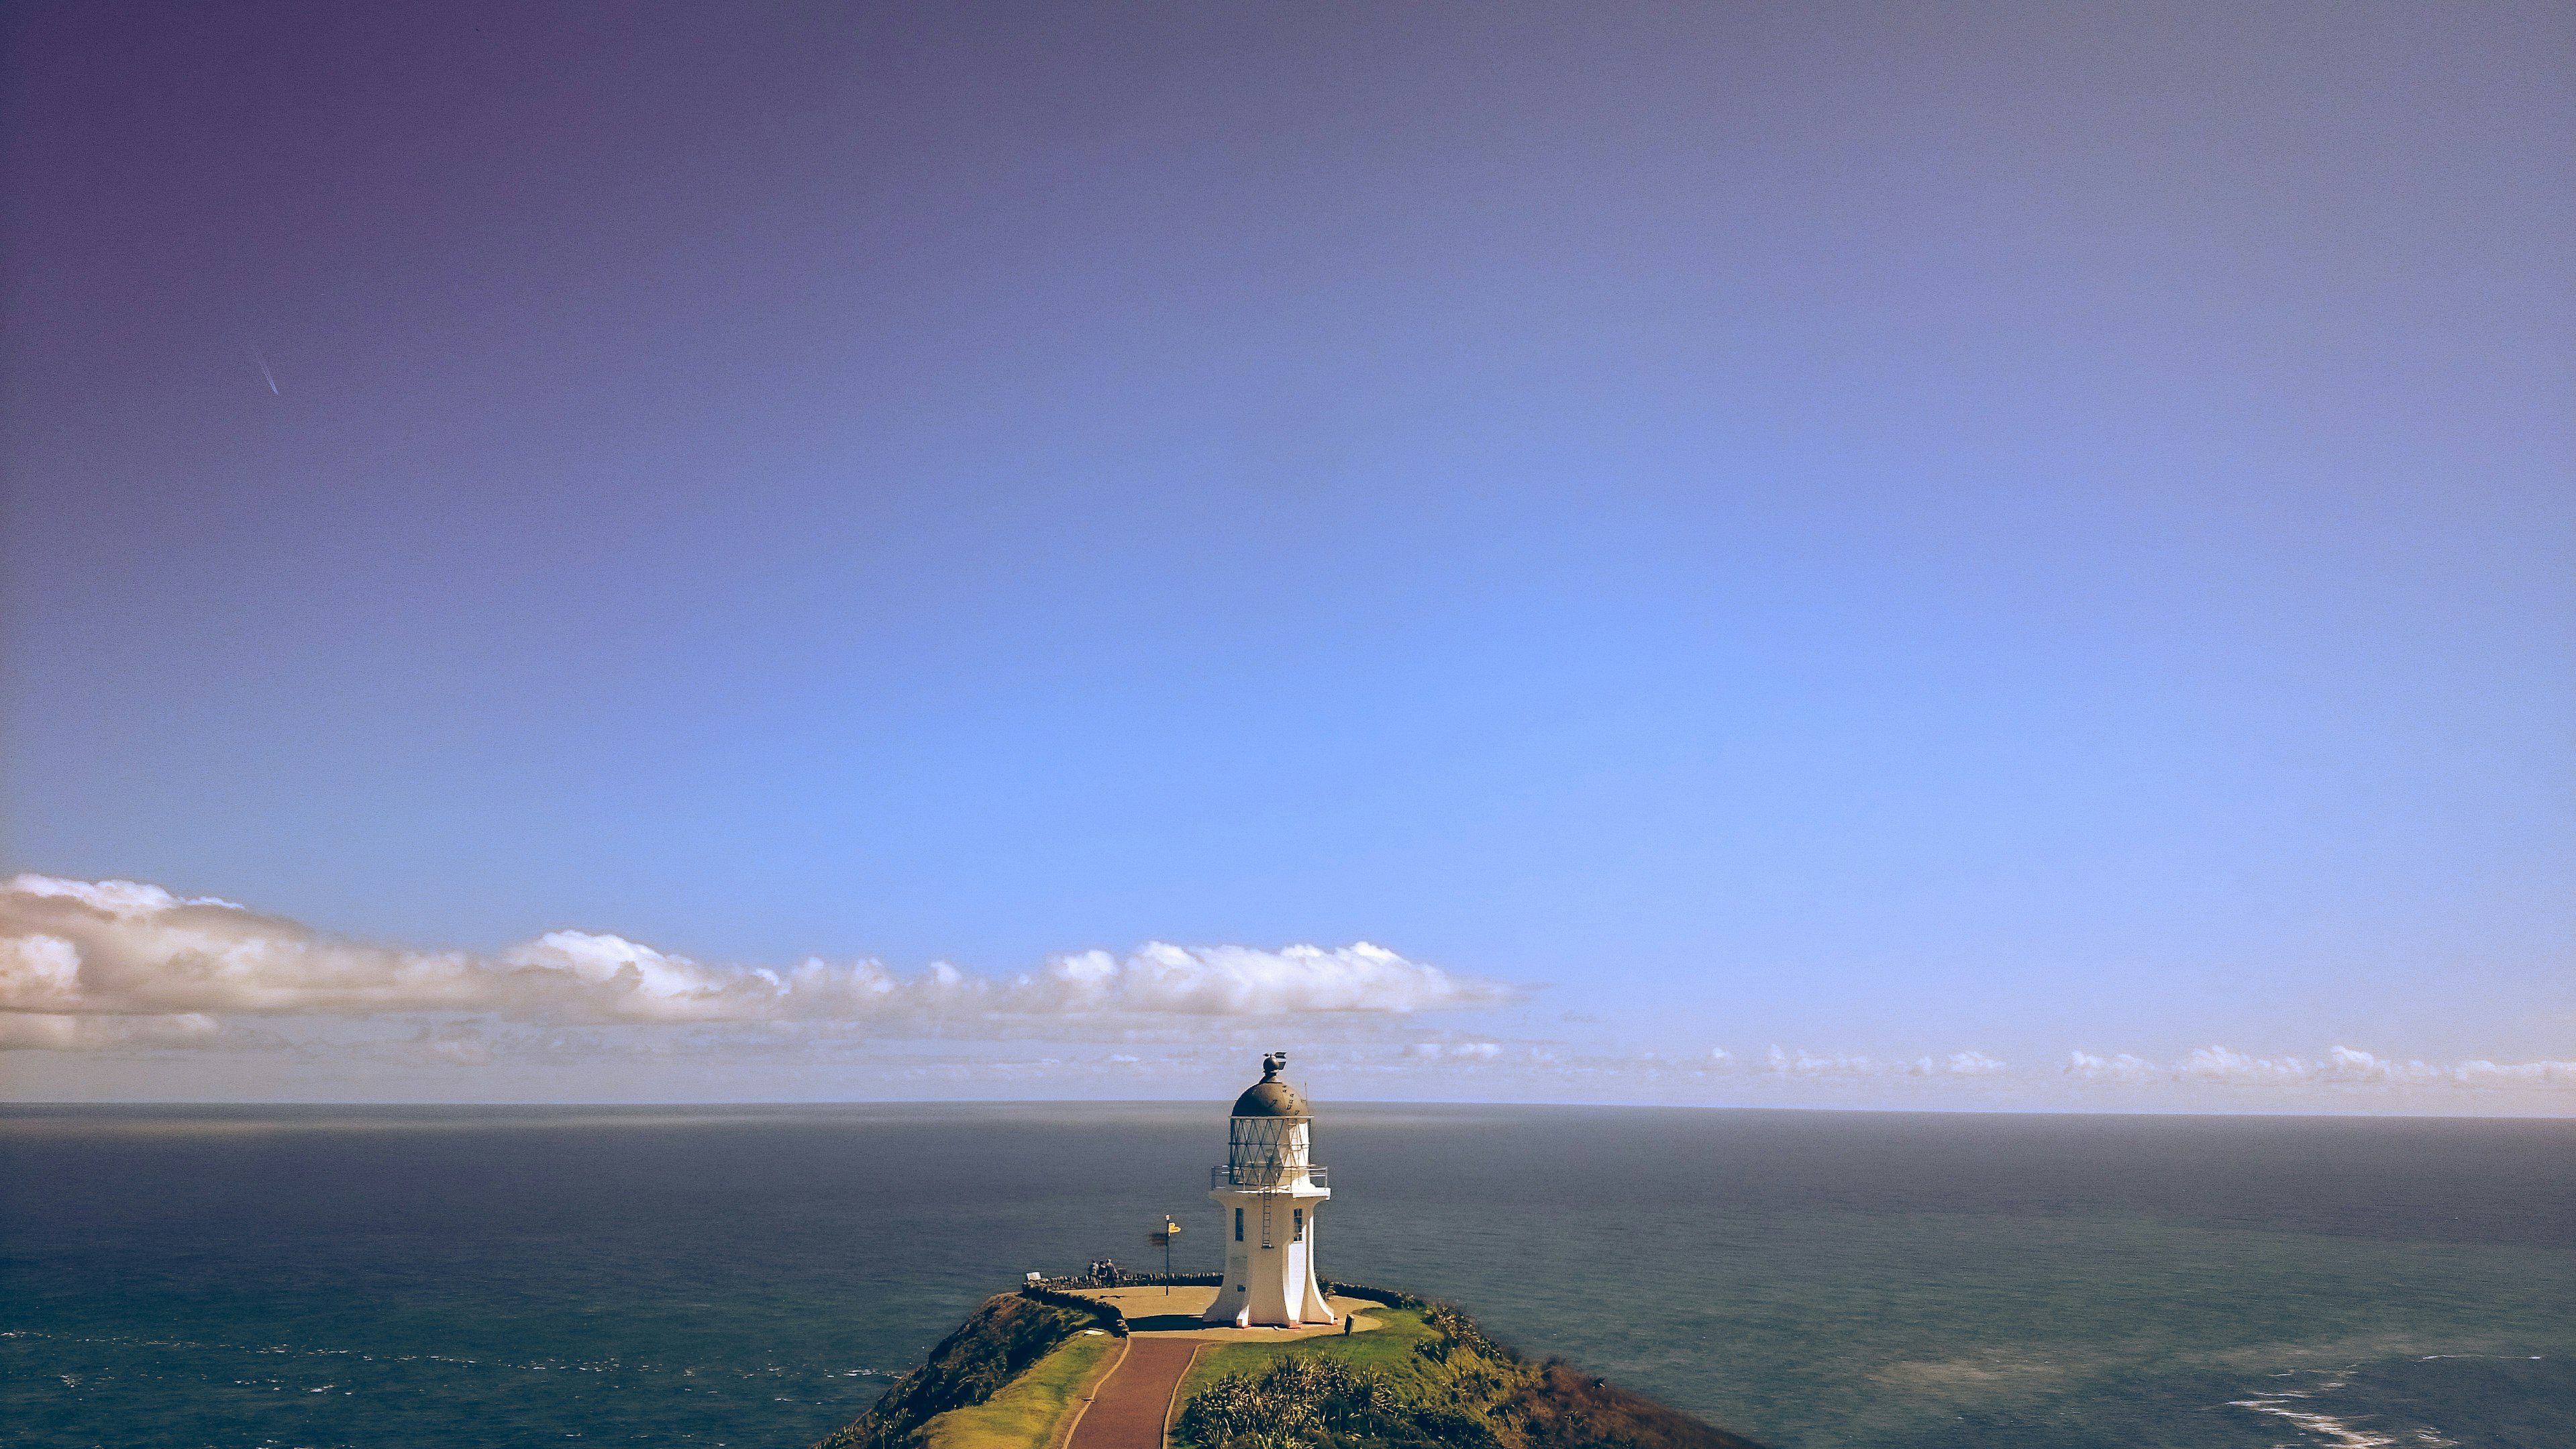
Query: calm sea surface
334, 1276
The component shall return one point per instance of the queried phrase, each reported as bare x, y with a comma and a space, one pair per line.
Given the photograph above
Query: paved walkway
1128, 1410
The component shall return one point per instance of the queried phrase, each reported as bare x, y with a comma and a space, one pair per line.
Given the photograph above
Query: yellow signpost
1162, 1238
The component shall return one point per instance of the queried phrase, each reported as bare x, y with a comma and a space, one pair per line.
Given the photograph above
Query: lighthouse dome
1271, 1097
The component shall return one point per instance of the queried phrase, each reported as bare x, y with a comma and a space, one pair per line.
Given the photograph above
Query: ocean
334, 1276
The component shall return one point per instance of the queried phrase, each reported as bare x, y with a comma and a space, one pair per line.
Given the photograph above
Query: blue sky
1873, 530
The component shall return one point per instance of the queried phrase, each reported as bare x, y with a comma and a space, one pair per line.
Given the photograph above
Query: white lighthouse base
1270, 1263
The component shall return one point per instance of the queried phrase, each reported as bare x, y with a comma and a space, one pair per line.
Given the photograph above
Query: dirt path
1127, 1412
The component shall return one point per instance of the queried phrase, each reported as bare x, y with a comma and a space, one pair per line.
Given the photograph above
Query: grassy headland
1024, 1415
1425, 1378
991, 1351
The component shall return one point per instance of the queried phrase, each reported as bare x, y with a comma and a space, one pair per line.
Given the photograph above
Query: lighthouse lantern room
1271, 1192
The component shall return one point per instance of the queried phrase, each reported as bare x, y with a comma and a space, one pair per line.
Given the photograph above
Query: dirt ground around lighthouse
1174, 1313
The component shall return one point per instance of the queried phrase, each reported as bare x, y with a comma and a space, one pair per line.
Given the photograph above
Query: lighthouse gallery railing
1267, 1176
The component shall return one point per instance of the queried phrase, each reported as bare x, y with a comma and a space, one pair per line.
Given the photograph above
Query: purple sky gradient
1890, 528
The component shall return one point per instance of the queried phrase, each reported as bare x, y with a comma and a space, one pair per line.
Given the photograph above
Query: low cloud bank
115, 963
124, 968
2341, 1065
1804, 1063
49, 1031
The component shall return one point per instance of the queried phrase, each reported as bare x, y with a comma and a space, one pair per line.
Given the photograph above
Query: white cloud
1246, 981
2521, 1074
2121, 1068
2218, 1064
1963, 1064
1457, 1051
1804, 1063
92, 951
1807, 1064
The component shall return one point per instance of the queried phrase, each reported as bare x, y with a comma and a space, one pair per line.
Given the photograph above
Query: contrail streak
256, 356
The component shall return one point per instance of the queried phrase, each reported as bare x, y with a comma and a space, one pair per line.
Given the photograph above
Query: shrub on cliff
1296, 1398
1457, 1389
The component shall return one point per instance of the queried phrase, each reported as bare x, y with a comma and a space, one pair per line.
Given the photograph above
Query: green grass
1387, 1348
1025, 1413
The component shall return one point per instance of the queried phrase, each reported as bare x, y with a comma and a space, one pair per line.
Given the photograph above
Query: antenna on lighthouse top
1272, 1064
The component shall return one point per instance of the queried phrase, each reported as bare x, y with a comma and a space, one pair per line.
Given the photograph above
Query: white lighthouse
1271, 1191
